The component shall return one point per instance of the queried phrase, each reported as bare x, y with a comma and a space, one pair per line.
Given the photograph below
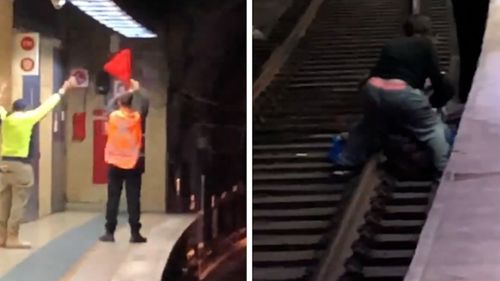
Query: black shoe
108, 237
137, 238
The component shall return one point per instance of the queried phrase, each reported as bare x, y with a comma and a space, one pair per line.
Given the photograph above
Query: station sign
82, 77
26, 54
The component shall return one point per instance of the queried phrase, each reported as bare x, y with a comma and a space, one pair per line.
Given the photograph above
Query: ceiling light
109, 14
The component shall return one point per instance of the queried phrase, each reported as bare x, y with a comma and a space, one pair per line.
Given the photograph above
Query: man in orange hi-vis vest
122, 153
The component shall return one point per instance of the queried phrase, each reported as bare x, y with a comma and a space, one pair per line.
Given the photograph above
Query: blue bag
336, 149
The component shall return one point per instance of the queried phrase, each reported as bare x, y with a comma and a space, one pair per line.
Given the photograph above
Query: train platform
66, 248
462, 233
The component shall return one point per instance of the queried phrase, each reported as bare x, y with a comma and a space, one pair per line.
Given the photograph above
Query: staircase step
296, 213
296, 199
279, 273
287, 240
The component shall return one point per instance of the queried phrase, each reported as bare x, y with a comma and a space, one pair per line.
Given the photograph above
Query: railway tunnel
189, 57
308, 225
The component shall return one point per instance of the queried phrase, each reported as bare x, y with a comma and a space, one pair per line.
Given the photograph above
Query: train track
297, 203
389, 236
398, 212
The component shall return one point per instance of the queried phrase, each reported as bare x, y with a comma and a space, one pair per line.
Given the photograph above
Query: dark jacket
411, 59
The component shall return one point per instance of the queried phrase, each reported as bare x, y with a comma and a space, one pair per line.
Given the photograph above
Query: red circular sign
27, 64
80, 77
27, 43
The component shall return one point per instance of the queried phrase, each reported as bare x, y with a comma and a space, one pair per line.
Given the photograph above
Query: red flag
120, 66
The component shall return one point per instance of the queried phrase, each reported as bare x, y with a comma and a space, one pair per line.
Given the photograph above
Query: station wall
150, 70
85, 43
6, 22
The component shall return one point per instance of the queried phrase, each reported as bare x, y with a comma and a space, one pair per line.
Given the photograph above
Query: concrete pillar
6, 31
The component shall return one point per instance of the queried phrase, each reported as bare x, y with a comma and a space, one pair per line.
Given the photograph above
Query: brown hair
125, 100
417, 25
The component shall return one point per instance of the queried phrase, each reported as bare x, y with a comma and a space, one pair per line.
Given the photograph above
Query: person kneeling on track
392, 96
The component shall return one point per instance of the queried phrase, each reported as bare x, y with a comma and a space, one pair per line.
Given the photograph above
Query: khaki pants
16, 180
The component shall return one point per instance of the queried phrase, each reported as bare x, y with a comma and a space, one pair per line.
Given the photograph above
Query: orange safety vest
124, 139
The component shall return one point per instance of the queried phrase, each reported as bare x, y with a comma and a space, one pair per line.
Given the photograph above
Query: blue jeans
408, 109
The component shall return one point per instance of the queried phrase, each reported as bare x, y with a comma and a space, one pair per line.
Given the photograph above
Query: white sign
82, 77
26, 54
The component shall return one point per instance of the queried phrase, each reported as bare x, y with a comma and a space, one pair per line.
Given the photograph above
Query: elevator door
58, 141
31, 94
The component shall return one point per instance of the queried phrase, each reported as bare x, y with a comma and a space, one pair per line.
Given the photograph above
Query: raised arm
113, 102
3, 87
3, 112
144, 103
47, 106
112, 105
139, 94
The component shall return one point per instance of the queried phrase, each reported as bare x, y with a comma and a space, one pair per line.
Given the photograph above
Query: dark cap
418, 25
19, 105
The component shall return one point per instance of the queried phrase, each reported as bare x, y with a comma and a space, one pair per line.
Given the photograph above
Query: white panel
109, 14
26, 54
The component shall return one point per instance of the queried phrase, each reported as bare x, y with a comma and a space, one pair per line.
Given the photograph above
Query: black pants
132, 179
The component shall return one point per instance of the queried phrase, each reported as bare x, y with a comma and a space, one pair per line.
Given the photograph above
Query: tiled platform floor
65, 247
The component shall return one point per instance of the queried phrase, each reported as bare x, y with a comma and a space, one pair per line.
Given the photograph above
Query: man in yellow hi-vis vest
122, 152
16, 171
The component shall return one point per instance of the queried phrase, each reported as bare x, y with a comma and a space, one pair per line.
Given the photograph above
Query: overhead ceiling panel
111, 15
